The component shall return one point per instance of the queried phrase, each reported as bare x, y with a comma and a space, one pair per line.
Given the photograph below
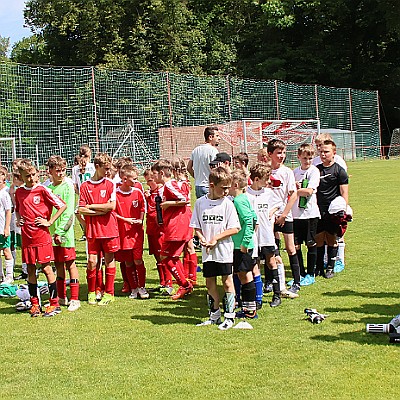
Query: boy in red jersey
97, 204
130, 209
176, 220
33, 206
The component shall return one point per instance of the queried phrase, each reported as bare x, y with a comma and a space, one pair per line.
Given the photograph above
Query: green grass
152, 349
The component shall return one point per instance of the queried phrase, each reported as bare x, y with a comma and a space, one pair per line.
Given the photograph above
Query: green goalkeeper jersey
248, 221
64, 226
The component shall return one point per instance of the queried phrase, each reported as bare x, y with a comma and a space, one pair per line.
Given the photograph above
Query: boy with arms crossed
97, 204
33, 207
63, 235
215, 221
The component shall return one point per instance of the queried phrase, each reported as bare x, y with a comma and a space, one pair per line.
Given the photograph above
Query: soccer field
145, 349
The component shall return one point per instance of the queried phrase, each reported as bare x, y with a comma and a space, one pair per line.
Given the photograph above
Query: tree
4, 46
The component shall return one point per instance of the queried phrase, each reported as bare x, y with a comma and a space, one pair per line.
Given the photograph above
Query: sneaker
307, 280
210, 322
290, 295
228, 323
246, 314
167, 291
268, 287
276, 301
106, 300
143, 293
329, 274
74, 305
182, 292
21, 276
51, 311
92, 298
125, 288
99, 294
35, 311
134, 294
157, 289
258, 305
9, 280
339, 266
295, 288
63, 302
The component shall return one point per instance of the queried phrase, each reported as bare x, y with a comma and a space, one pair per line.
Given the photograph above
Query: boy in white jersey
306, 212
284, 188
265, 205
215, 220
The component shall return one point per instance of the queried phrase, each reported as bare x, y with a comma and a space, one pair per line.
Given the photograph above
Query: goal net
394, 149
7, 152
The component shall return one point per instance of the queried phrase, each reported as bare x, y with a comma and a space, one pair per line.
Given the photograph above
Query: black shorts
325, 224
286, 228
213, 268
305, 231
242, 262
265, 251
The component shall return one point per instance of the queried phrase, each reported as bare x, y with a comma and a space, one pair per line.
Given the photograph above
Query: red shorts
106, 245
129, 255
155, 243
172, 248
63, 254
39, 254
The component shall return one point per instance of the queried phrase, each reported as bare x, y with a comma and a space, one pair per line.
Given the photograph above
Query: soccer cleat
134, 294
83, 238
209, 322
339, 266
106, 300
276, 301
99, 294
295, 288
142, 292
35, 311
329, 274
307, 280
258, 305
289, 295
244, 313
51, 311
228, 323
92, 298
125, 288
63, 302
21, 277
167, 291
192, 281
182, 292
156, 289
74, 305
268, 287
9, 280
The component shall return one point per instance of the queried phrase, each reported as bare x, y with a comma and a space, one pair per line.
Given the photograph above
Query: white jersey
337, 159
312, 174
287, 185
214, 217
201, 156
263, 201
78, 178
5, 205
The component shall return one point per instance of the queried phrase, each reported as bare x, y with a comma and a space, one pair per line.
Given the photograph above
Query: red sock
193, 267
61, 288
141, 273
110, 278
124, 274
35, 301
53, 294
175, 266
160, 269
74, 289
132, 277
91, 279
99, 279
186, 262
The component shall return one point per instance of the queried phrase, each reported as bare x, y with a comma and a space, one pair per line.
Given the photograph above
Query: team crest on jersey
36, 200
103, 193
135, 203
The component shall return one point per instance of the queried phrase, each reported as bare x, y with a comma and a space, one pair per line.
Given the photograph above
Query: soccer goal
394, 149
7, 151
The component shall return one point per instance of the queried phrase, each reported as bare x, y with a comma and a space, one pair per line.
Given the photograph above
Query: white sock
9, 268
282, 277
24, 268
14, 254
340, 253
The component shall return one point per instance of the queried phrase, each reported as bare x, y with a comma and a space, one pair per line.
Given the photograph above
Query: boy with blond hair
33, 206
97, 203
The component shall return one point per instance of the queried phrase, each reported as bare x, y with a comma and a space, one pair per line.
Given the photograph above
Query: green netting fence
53, 110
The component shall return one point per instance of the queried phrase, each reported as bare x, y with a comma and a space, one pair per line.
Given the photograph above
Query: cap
220, 158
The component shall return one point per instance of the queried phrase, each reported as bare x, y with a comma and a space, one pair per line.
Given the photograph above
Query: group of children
238, 225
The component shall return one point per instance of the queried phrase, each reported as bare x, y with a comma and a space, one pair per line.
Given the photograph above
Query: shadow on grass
355, 336
372, 295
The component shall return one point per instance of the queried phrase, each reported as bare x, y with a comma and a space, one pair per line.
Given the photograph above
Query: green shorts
5, 242
15, 239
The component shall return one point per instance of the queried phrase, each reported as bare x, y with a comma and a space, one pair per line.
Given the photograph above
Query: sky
12, 20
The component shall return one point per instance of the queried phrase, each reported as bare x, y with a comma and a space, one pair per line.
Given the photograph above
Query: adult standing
198, 165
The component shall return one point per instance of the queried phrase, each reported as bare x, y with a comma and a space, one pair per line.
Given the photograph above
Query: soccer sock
193, 267
332, 255
301, 262
259, 288
294, 266
319, 268
229, 305
268, 274
275, 281
167, 274
53, 294
33, 292
110, 277
175, 266
10, 268
215, 313
249, 296
278, 245
340, 253
132, 277
282, 277
14, 255
61, 287
186, 261
238, 287
1, 267
99, 279
311, 260
74, 289
160, 269
91, 275
122, 266
141, 274
24, 268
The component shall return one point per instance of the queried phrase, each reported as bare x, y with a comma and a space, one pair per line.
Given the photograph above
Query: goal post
7, 151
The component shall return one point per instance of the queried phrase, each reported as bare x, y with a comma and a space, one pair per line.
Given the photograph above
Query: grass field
151, 349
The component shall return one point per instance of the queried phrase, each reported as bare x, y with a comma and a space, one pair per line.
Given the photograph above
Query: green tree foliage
4, 46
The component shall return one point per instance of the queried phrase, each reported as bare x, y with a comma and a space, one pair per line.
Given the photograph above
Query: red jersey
185, 188
31, 203
130, 205
176, 218
152, 227
99, 192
